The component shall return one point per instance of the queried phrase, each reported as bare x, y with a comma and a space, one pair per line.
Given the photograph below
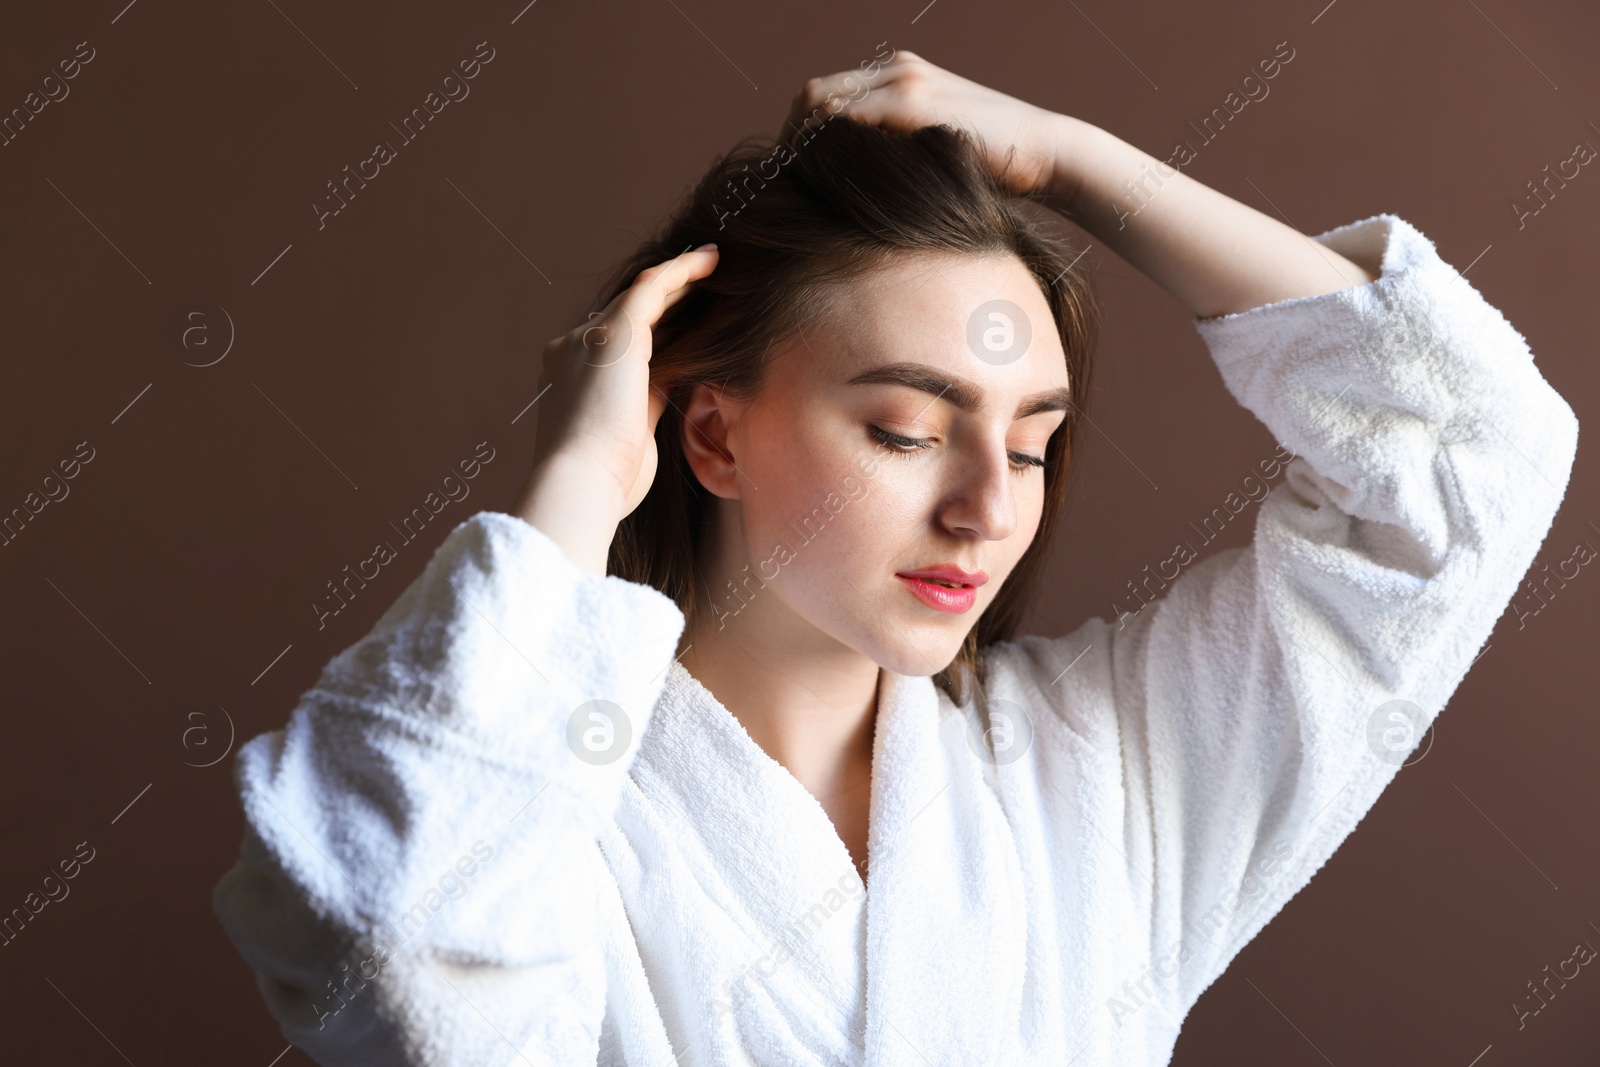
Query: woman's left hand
1020, 142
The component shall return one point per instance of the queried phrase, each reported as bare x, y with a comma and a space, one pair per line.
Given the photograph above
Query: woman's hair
791, 222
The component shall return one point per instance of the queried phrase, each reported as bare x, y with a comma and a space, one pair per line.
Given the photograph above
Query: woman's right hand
594, 446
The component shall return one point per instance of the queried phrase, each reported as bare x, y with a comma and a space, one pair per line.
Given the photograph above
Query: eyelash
904, 446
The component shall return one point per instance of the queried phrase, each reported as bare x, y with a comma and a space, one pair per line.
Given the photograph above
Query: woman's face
893, 438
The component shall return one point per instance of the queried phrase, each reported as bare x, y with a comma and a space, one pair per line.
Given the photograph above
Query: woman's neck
813, 712
814, 715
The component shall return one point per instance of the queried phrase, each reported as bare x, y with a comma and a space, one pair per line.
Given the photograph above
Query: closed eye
903, 446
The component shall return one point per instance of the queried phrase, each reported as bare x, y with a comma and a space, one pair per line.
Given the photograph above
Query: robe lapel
946, 916
739, 891
721, 855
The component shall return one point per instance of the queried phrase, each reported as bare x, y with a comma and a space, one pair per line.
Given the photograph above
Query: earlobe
708, 417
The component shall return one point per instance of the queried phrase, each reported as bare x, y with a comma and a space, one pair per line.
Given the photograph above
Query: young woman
719, 746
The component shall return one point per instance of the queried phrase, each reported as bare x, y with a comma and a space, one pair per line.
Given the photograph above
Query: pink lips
923, 585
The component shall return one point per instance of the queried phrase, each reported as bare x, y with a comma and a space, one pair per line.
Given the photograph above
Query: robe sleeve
1264, 698
418, 878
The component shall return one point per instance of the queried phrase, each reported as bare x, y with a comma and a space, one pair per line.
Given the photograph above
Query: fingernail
710, 246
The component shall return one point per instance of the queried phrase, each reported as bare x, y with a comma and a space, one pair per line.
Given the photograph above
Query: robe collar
923, 965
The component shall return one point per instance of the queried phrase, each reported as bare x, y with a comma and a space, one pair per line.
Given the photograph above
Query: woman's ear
708, 419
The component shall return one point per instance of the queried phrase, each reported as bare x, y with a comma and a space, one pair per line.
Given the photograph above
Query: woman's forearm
1215, 254
568, 503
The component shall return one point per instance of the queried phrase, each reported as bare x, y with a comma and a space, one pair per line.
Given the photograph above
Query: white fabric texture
1161, 784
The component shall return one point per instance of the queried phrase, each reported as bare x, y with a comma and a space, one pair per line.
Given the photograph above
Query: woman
604, 783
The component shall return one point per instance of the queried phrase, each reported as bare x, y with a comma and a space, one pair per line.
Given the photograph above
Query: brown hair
789, 222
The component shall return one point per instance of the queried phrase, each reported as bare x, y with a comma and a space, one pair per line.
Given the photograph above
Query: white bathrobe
442, 865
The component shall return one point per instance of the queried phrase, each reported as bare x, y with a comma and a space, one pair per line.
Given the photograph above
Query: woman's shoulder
1065, 679
1078, 678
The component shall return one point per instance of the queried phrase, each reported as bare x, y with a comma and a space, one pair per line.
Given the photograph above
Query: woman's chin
904, 654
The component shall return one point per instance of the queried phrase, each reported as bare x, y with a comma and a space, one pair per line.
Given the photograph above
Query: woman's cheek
888, 528
845, 521
779, 479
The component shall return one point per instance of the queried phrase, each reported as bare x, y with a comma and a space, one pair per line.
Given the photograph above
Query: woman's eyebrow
958, 391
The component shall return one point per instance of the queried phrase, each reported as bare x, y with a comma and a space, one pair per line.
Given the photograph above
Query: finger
657, 405
828, 95
669, 289
663, 285
704, 262
850, 87
624, 325
883, 108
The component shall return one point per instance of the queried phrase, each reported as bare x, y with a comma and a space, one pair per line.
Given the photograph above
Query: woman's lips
940, 597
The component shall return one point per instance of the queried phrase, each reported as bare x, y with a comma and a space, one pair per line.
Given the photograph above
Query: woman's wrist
1216, 255
568, 502
1080, 151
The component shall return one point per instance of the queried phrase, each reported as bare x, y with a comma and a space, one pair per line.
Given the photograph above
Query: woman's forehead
981, 318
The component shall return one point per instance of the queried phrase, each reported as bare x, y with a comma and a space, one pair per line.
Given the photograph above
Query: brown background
378, 351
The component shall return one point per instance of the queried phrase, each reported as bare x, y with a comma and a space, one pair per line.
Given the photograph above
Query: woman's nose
982, 499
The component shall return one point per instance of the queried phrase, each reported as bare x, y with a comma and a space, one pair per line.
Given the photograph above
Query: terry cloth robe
506, 827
